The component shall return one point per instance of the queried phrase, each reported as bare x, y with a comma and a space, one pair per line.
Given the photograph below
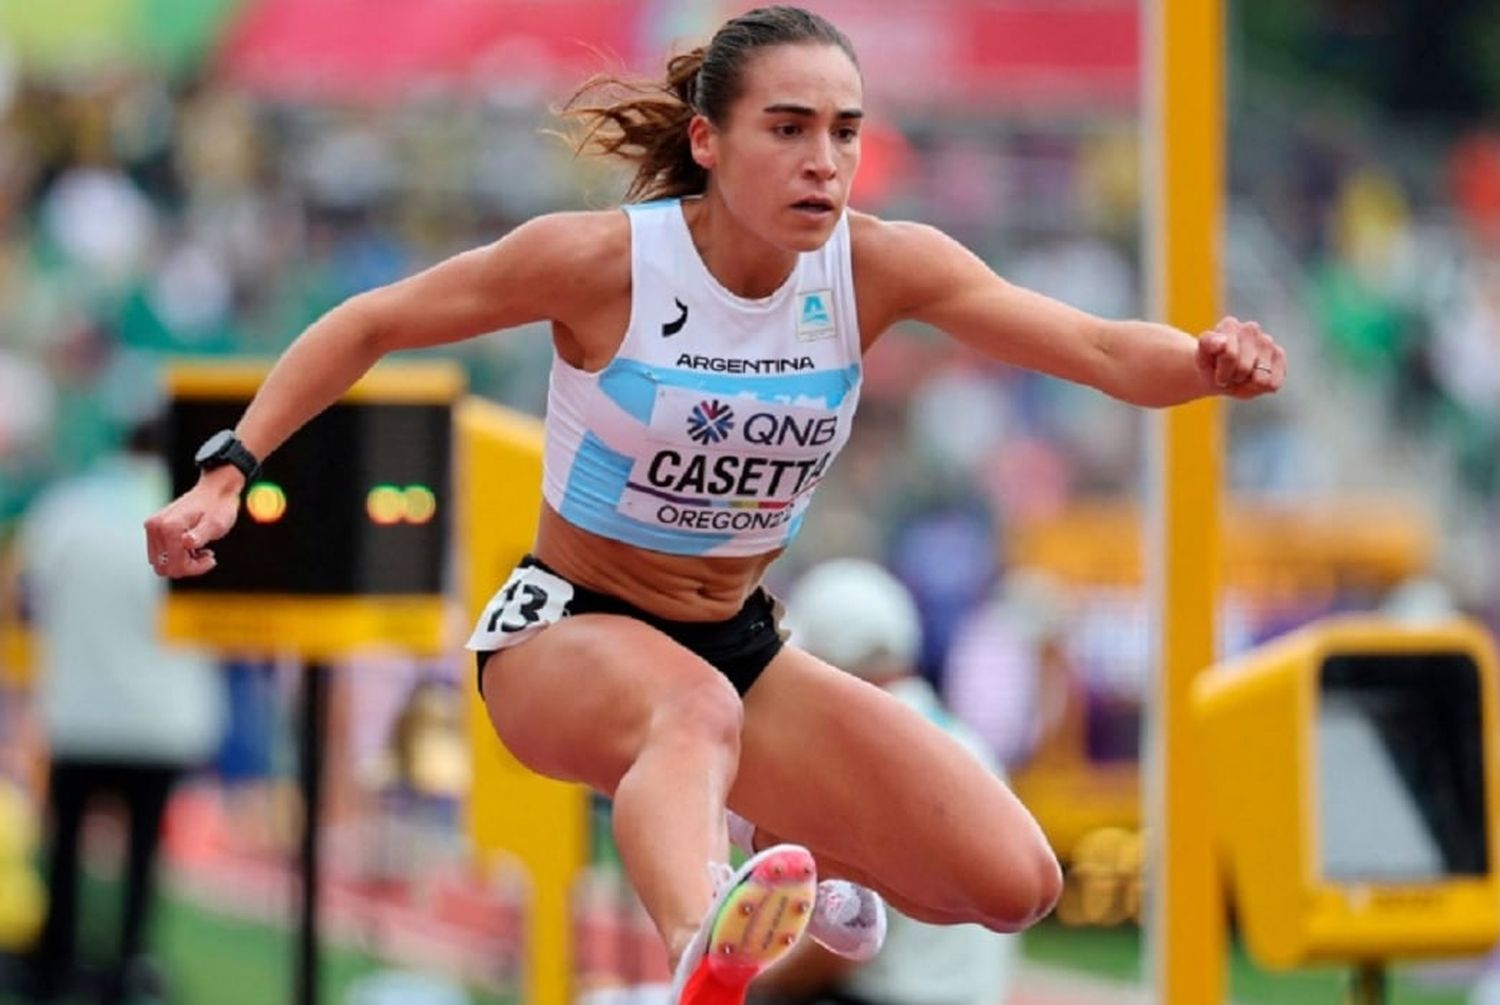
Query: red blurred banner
376, 49
1047, 55
1032, 54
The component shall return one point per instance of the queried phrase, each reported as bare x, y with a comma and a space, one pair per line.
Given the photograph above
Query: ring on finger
1261, 365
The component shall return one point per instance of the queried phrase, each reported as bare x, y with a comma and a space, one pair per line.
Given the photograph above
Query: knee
1022, 891
706, 716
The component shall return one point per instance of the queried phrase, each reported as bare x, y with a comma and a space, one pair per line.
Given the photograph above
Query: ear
703, 141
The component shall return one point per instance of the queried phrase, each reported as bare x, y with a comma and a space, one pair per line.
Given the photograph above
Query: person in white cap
856, 615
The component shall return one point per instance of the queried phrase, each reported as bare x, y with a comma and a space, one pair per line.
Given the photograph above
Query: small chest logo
673, 327
710, 421
815, 315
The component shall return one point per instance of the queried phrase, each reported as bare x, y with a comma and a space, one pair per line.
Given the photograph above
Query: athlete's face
786, 156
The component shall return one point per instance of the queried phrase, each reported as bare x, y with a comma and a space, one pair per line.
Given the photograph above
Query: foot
758, 915
848, 919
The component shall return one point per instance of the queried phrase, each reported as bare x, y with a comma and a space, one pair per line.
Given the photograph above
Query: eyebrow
787, 107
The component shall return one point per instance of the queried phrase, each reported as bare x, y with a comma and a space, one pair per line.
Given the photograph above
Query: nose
820, 160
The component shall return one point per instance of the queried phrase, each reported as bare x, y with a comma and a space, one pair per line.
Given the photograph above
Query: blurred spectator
1420, 599
246, 759
1474, 172
28, 396
859, 617
124, 715
1009, 675
945, 554
1362, 295
1464, 357
100, 220
22, 897
1046, 670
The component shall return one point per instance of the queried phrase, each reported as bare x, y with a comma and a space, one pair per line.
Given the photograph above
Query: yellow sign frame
513, 811
1255, 717
314, 627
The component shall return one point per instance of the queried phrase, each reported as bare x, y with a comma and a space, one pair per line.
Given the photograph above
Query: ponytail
646, 125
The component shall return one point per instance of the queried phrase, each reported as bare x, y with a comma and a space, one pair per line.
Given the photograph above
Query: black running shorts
740, 647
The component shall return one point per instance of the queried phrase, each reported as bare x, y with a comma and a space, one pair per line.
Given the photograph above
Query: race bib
729, 463
530, 600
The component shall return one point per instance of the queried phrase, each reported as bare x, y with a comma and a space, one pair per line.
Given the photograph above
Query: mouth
815, 206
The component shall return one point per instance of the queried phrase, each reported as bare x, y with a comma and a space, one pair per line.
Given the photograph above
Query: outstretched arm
501, 285
929, 277
518, 279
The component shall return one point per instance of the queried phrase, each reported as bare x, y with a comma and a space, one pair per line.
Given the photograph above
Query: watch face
214, 446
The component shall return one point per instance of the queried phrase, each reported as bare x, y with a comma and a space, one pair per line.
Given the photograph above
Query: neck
744, 264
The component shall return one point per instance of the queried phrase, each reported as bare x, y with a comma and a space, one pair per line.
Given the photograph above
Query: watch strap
235, 453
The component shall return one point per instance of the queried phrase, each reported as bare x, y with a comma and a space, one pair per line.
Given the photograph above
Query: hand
178, 534
1241, 360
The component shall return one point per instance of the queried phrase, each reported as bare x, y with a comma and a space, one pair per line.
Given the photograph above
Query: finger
1210, 348
153, 538
198, 562
1247, 353
212, 524
1268, 374
1264, 373
1275, 375
1227, 362
200, 534
159, 547
197, 532
1269, 360
1211, 343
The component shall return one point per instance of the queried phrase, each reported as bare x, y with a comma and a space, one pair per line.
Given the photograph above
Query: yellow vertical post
542, 823
1185, 102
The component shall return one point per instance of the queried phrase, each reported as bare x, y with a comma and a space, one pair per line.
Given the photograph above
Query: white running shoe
758, 914
848, 919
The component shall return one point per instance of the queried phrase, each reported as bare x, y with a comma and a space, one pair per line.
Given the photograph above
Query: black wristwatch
225, 448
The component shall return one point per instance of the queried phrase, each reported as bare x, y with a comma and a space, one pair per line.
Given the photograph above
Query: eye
787, 129
846, 134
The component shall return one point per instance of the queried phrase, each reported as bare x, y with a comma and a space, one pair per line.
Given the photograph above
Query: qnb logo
710, 421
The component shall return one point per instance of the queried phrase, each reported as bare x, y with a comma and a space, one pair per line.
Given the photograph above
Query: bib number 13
530, 597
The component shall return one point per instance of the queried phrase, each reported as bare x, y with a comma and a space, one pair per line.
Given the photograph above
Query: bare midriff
679, 587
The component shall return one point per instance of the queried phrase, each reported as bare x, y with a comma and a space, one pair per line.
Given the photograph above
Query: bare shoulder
551, 268
570, 253
898, 265
879, 243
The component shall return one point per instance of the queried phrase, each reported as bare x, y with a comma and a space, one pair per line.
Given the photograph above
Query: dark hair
646, 125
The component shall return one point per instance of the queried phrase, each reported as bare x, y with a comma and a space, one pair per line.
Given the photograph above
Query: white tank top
711, 427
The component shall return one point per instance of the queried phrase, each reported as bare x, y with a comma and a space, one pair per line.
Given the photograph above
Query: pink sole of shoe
759, 921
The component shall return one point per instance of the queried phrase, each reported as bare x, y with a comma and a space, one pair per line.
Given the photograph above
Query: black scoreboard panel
356, 503
1400, 745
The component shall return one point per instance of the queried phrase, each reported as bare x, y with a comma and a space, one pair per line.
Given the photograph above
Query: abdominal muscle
678, 587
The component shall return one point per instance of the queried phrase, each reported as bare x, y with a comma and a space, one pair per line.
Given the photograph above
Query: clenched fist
178, 535
1240, 359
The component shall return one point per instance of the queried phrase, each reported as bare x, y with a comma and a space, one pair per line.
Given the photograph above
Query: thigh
833, 762
577, 701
